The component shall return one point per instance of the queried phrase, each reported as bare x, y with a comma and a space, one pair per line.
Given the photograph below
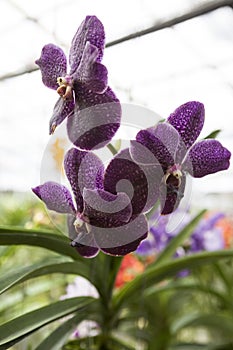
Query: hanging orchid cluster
106, 209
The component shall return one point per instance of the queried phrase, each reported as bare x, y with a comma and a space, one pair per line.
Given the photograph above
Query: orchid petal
161, 143
96, 118
56, 197
105, 209
188, 120
123, 239
62, 109
140, 183
83, 170
207, 157
91, 73
52, 63
91, 30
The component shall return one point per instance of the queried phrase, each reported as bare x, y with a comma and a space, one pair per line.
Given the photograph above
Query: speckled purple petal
87, 251
91, 73
188, 120
161, 142
83, 242
62, 109
83, 170
96, 118
56, 197
52, 63
105, 209
207, 157
122, 240
171, 195
140, 183
91, 30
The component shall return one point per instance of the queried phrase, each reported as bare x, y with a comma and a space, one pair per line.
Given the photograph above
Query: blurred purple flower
80, 287
99, 219
92, 109
206, 236
170, 147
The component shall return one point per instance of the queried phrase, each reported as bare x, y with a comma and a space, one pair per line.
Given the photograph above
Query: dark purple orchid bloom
92, 109
170, 146
97, 218
137, 181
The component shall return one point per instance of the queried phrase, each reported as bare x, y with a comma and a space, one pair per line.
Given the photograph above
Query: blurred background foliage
18, 209
191, 312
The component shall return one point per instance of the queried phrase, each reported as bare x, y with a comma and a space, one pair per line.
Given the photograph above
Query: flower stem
110, 266
112, 149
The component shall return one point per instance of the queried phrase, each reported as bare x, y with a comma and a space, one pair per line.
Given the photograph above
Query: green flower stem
112, 149
109, 266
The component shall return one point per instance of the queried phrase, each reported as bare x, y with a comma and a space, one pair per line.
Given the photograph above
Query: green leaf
218, 322
57, 338
179, 239
165, 270
20, 327
124, 342
197, 346
38, 238
181, 285
91, 269
225, 277
43, 268
59, 244
83, 343
213, 134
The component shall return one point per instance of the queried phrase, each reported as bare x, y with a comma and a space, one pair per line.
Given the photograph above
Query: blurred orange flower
226, 225
130, 268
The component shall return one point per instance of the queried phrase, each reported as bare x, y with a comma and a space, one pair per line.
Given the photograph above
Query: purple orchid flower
170, 147
99, 219
92, 110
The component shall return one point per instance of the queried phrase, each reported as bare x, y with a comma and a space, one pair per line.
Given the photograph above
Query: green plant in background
108, 220
152, 311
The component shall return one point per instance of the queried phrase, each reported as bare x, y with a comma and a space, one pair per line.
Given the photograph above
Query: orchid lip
65, 88
80, 221
174, 171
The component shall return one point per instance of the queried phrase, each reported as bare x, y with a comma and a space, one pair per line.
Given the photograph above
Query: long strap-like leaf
159, 272
57, 265
38, 238
20, 327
